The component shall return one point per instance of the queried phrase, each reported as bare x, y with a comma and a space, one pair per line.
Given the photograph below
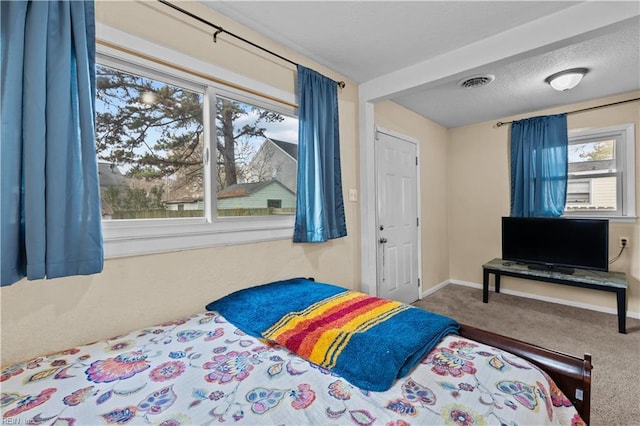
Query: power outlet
624, 242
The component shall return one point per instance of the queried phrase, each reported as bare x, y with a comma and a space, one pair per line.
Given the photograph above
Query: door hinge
417, 221
416, 161
418, 282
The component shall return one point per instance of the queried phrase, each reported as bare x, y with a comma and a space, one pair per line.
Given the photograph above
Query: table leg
621, 296
497, 283
485, 286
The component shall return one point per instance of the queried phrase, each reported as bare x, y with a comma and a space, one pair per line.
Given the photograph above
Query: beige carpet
615, 386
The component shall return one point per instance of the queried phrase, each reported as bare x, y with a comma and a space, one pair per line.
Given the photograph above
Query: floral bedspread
203, 370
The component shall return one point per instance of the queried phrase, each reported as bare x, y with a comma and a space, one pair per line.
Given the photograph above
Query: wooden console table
615, 282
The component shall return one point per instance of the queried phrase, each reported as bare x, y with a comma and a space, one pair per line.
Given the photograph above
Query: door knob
383, 240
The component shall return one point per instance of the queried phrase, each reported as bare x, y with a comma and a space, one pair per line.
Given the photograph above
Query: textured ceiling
369, 41
519, 86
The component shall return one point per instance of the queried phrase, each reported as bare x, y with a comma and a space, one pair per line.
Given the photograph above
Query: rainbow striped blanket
369, 341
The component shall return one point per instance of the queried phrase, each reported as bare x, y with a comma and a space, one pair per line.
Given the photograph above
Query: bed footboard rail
570, 373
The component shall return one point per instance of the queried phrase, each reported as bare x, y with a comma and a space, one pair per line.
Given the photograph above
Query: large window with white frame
601, 179
185, 162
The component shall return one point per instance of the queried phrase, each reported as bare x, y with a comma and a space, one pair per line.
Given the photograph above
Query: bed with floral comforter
204, 370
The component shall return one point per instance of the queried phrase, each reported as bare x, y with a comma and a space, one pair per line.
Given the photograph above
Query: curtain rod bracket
215, 35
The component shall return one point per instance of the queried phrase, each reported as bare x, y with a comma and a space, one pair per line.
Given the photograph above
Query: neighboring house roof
110, 175
275, 159
245, 189
289, 148
185, 200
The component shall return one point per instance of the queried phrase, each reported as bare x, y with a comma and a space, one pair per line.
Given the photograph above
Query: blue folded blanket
367, 340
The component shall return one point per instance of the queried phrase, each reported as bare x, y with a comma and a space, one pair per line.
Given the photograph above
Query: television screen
556, 242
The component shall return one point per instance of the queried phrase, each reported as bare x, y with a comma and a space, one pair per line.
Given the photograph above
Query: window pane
592, 151
592, 157
597, 194
149, 138
257, 153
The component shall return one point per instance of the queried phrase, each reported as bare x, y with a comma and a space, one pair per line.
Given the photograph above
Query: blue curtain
319, 204
51, 221
539, 165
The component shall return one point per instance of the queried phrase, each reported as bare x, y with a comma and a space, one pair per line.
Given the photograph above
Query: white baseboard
533, 296
436, 288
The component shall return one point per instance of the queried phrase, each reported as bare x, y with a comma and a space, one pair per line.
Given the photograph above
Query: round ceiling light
476, 81
567, 79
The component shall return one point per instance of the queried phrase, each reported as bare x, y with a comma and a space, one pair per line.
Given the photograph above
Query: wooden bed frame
570, 373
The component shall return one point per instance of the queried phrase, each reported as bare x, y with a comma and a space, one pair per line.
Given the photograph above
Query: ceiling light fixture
567, 79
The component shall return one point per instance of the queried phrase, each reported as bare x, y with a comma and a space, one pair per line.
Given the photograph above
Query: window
601, 173
249, 162
578, 193
274, 204
183, 159
149, 140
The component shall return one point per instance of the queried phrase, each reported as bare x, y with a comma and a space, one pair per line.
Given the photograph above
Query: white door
397, 218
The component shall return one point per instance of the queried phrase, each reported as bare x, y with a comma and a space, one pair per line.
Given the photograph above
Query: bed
204, 369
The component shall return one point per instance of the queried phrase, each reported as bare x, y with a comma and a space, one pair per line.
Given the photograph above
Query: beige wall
433, 152
479, 195
44, 316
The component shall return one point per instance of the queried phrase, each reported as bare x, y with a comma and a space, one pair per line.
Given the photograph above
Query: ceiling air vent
476, 81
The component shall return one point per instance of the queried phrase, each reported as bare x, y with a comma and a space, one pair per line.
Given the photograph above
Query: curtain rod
219, 30
192, 72
502, 123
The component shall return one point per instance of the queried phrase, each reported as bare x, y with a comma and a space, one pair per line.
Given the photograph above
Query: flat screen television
556, 243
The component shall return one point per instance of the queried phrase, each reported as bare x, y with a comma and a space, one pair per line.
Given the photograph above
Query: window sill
131, 238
